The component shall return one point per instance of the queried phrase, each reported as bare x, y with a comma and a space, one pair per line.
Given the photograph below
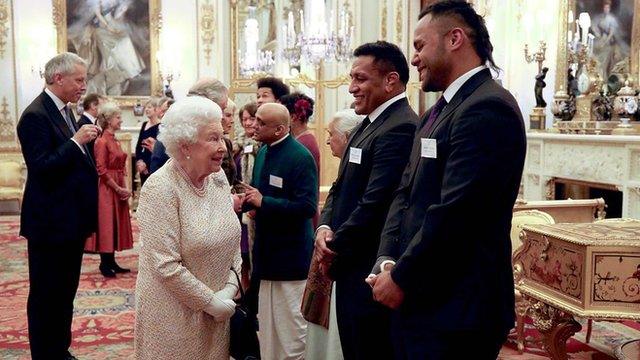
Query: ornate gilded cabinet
585, 270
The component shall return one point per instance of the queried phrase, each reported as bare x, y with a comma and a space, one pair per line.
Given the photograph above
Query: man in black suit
60, 204
90, 105
357, 204
445, 250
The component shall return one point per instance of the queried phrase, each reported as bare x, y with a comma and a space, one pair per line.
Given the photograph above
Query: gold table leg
522, 307
555, 326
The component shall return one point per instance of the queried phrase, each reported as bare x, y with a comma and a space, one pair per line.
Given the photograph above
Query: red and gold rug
104, 308
104, 311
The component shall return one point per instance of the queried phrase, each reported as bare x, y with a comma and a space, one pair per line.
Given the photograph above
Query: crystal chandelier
321, 42
254, 60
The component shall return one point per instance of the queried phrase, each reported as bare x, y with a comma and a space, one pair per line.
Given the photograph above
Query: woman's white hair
210, 88
63, 64
183, 120
231, 105
106, 111
346, 120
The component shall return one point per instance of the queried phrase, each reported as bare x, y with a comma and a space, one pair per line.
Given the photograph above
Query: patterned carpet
103, 323
104, 308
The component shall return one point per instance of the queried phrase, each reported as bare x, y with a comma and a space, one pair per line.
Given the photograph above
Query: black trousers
412, 342
364, 324
54, 274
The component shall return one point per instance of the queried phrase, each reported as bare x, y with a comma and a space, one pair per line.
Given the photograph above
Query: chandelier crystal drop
318, 41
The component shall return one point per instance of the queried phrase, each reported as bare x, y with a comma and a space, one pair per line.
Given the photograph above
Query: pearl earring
188, 157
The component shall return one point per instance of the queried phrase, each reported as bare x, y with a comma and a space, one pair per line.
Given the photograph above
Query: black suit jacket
60, 198
85, 121
448, 226
358, 201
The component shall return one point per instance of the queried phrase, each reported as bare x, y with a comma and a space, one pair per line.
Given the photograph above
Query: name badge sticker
248, 149
275, 181
355, 155
429, 148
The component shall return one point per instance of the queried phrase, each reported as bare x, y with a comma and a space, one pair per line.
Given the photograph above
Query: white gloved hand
220, 309
230, 288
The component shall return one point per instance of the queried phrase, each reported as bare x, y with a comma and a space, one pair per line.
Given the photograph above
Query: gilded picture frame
239, 11
270, 19
575, 6
119, 40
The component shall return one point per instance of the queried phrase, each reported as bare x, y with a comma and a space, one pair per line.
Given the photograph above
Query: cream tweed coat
190, 238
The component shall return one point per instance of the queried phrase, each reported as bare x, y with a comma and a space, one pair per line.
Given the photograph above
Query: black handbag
244, 343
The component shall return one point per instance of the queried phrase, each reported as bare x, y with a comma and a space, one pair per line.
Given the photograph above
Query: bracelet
230, 283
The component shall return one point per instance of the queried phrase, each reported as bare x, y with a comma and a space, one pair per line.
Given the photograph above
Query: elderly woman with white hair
319, 301
190, 239
340, 128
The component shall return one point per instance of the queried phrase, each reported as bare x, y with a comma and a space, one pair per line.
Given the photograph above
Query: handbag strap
239, 283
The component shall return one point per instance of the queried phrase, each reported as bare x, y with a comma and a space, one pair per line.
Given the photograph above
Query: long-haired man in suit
347, 239
445, 250
60, 204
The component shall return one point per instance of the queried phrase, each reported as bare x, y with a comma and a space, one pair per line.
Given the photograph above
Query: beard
431, 84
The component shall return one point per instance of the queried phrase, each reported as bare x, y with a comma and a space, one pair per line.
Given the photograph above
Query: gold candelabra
582, 57
539, 56
537, 118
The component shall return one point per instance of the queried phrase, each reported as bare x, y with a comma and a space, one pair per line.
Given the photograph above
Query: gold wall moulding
320, 87
399, 18
246, 85
383, 22
7, 126
207, 26
137, 76
303, 79
4, 28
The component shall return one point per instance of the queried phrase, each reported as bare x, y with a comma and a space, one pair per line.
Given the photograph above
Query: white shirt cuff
322, 227
80, 146
382, 264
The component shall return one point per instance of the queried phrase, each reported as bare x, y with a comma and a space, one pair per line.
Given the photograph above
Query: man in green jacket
284, 194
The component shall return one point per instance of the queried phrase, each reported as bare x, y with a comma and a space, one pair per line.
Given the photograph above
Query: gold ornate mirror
256, 22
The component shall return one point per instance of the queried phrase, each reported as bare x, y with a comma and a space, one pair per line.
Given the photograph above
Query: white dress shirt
60, 105
448, 94
90, 117
380, 109
279, 140
453, 88
372, 117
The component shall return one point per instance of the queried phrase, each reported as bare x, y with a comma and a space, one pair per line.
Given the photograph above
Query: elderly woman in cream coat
190, 241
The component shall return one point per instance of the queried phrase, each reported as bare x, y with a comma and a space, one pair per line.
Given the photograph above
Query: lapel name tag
355, 155
429, 148
275, 181
248, 149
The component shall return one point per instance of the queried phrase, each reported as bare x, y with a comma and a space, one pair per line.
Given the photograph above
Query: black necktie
363, 126
67, 119
72, 128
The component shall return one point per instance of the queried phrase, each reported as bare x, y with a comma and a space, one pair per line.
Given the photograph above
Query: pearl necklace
200, 191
